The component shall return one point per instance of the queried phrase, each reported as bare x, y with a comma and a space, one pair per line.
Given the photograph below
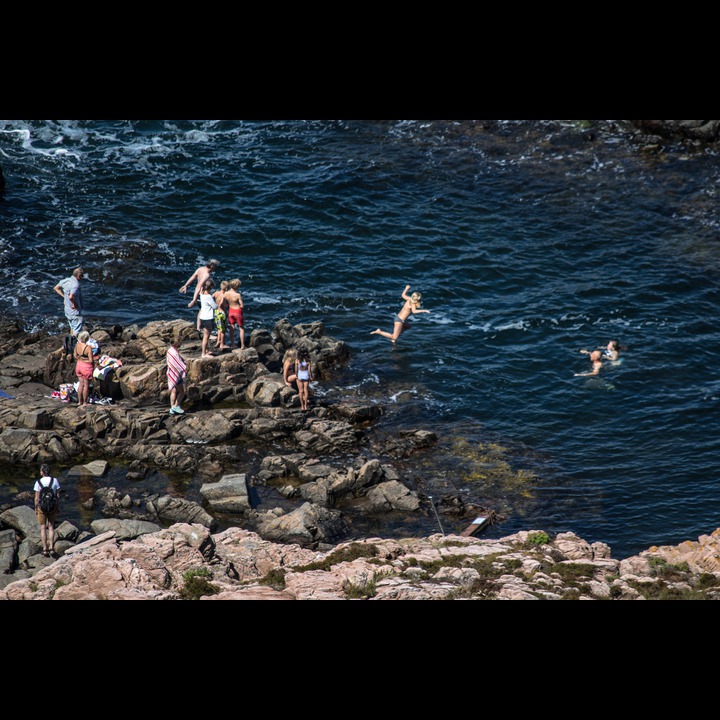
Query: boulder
8, 551
23, 519
67, 531
276, 466
327, 437
270, 391
206, 427
228, 495
392, 495
142, 383
358, 413
95, 468
703, 130
318, 493
178, 510
306, 526
124, 529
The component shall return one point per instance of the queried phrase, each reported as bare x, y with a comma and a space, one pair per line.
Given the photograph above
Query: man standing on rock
202, 274
69, 290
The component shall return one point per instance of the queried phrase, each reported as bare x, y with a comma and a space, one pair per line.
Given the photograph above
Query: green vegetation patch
536, 539
660, 591
489, 464
661, 568
351, 552
196, 584
573, 572
275, 579
360, 591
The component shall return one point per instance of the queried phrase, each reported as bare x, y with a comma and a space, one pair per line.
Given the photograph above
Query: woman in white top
208, 306
47, 521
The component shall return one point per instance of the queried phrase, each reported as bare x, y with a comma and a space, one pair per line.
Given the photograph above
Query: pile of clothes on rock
104, 387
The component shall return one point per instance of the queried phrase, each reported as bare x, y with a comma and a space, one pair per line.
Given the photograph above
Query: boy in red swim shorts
235, 312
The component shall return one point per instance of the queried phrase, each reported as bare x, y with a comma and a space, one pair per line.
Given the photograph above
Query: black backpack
48, 499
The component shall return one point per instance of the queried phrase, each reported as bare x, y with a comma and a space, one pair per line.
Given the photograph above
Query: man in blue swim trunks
69, 290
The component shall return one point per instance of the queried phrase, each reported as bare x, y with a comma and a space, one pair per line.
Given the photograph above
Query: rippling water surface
528, 240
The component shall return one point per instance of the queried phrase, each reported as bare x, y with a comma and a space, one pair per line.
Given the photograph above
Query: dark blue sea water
529, 239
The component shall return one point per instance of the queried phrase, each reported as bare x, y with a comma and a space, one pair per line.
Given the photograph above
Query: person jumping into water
412, 306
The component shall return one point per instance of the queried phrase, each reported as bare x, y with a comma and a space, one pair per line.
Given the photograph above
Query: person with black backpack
47, 506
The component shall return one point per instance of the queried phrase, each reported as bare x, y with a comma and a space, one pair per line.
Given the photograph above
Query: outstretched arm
405, 295
187, 284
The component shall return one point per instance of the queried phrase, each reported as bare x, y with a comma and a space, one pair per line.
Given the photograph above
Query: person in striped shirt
176, 373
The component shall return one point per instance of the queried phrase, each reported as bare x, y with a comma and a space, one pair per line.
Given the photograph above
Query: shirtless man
202, 274
235, 312
596, 359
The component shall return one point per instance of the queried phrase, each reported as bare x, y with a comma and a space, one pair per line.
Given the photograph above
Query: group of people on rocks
221, 310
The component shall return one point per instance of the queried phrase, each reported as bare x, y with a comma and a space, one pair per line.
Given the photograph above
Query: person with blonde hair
289, 374
412, 306
235, 312
208, 306
84, 366
221, 314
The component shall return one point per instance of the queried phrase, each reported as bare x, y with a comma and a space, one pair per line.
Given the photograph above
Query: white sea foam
400, 393
263, 299
196, 136
517, 325
487, 327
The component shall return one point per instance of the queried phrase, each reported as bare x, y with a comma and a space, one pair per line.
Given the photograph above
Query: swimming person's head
416, 299
595, 355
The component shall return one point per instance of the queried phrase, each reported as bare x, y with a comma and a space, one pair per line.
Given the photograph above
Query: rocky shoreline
247, 497
703, 131
318, 472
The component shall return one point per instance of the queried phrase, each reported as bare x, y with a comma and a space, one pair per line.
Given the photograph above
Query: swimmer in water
412, 306
596, 359
611, 351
